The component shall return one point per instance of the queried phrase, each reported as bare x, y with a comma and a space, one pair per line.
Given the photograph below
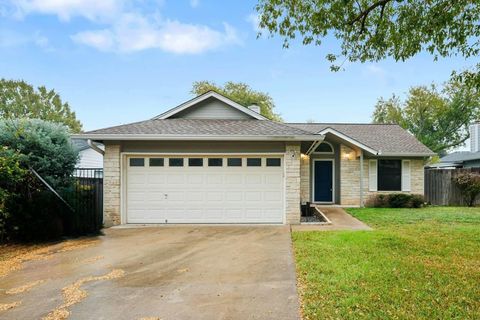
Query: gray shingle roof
387, 138
204, 127
460, 156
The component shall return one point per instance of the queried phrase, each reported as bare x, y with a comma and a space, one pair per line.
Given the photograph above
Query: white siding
212, 109
90, 158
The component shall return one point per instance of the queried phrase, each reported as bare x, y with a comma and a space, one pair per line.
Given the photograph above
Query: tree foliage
438, 118
371, 30
18, 100
241, 93
43, 146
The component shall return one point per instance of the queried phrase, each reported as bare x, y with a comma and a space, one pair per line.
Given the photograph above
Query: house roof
200, 129
386, 139
460, 156
80, 144
207, 95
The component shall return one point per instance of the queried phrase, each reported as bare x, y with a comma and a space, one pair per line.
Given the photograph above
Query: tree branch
362, 16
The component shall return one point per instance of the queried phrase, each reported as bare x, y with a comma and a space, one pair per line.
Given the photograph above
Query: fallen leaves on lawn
8, 306
25, 288
183, 270
150, 318
73, 294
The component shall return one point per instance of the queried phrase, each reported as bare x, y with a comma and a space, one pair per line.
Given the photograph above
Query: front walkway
340, 219
174, 272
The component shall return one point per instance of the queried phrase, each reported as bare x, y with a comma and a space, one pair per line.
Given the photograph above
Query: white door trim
333, 181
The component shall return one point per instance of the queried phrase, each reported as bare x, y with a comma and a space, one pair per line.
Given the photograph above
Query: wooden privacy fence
441, 190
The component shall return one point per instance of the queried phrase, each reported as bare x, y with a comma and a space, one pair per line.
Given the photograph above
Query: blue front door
323, 181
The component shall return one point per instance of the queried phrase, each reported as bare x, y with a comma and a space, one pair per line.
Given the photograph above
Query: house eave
164, 137
407, 154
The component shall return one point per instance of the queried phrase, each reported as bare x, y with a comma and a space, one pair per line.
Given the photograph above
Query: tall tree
438, 118
371, 30
19, 99
241, 93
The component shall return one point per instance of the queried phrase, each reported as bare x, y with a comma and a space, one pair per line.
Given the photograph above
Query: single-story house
212, 160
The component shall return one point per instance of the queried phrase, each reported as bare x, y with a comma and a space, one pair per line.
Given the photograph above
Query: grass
416, 264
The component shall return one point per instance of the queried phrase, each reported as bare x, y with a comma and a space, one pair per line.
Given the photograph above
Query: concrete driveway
172, 272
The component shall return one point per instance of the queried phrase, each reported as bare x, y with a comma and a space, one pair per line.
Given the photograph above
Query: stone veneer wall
292, 182
305, 179
350, 179
111, 185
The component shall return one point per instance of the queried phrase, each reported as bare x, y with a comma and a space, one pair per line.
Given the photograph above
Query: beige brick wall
111, 185
305, 179
292, 182
350, 179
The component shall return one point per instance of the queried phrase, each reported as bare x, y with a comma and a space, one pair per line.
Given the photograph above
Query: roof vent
255, 107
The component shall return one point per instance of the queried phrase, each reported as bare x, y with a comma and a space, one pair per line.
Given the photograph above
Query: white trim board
204, 97
350, 140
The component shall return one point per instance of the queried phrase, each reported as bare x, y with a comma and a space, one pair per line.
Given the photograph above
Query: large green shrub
30, 210
43, 146
395, 200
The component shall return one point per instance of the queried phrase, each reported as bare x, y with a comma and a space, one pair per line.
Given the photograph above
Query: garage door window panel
274, 162
137, 162
175, 162
215, 162
254, 162
234, 162
156, 162
195, 162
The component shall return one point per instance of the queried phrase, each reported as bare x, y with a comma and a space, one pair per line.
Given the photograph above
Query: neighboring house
463, 159
88, 157
459, 159
212, 160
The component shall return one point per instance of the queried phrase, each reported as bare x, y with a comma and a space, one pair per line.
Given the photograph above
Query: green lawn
416, 264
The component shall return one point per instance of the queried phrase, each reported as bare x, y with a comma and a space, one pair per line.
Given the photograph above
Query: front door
323, 181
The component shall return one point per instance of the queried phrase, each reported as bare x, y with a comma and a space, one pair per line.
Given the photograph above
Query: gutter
95, 147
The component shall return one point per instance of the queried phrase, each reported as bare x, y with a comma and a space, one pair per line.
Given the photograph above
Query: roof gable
211, 105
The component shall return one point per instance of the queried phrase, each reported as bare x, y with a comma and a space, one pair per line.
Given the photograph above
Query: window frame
324, 152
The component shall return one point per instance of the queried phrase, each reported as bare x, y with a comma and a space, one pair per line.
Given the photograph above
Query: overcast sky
123, 61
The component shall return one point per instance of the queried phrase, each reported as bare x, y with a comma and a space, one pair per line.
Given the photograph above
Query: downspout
95, 147
361, 178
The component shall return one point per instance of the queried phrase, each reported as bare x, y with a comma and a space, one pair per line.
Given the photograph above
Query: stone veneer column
111, 185
292, 182
350, 178
305, 179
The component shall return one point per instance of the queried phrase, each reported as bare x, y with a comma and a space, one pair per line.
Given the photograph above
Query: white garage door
204, 189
